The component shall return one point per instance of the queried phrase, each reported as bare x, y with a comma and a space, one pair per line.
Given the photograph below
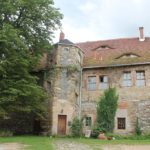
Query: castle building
79, 73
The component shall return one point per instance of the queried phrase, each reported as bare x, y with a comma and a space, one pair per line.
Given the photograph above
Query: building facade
79, 74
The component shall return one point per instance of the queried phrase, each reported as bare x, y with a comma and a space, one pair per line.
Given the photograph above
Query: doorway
62, 119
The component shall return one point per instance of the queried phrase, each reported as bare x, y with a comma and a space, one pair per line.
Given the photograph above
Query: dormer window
102, 47
128, 55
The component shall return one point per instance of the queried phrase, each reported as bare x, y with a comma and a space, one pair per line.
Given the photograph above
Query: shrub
76, 127
96, 130
5, 133
138, 128
106, 110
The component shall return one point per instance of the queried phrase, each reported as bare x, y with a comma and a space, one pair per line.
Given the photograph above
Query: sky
90, 20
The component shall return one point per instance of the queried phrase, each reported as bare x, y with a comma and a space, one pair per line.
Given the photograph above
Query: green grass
33, 142
45, 143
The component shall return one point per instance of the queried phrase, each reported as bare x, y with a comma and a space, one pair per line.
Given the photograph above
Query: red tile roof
108, 52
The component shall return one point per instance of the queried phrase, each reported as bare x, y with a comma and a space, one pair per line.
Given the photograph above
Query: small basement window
88, 121
121, 123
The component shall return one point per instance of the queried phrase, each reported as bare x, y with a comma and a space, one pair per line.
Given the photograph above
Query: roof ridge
115, 39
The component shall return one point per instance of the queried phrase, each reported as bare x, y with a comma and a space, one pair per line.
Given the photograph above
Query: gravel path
11, 146
70, 145
126, 147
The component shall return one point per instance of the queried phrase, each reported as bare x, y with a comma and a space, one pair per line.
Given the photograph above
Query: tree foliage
106, 110
26, 30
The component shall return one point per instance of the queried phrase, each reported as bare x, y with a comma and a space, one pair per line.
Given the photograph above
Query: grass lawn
34, 142
45, 143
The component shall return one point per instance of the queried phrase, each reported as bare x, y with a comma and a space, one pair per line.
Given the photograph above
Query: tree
26, 30
106, 110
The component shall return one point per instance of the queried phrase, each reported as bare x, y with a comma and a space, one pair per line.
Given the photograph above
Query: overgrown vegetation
26, 29
5, 133
72, 68
138, 130
76, 127
106, 110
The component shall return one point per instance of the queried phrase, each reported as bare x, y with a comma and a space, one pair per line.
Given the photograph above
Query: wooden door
62, 124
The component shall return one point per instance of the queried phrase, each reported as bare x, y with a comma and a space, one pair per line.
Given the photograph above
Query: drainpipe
80, 93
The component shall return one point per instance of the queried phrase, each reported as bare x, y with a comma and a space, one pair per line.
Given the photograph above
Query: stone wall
133, 101
65, 84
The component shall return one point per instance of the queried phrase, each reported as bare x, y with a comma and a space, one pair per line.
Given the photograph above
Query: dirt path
70, 145
11, 146
126, 147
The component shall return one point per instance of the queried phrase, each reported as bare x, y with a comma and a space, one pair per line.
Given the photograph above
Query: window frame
104, 82
89, 84
125, 82
121, 123
88, 121
140, 79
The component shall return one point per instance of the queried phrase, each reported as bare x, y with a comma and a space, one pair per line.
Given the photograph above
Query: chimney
62, 36
141, 38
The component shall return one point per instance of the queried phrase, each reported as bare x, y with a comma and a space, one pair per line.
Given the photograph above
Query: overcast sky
89, 20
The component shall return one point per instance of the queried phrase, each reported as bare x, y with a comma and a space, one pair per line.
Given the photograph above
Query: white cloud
88, 7
105, 19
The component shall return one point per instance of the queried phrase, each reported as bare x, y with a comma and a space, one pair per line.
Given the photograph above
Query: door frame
65, 121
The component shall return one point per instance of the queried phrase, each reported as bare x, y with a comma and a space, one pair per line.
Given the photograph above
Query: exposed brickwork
132, 100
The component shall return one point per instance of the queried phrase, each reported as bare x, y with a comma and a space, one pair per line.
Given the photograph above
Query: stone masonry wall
133, 101
65, 84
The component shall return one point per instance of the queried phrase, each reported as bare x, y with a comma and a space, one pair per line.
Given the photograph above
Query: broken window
140, 78
92, 83
121, 123
103, 84
88, 121
127, 79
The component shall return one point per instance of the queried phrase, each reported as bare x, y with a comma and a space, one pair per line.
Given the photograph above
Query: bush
76, 128
96, 130
106, 110
138, 128
5, 133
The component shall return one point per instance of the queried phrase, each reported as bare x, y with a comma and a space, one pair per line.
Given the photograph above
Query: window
140, 78
127, 79
121, 123
92, 83
103, 82
88, 121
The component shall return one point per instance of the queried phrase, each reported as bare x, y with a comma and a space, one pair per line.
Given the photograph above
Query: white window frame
127, 79
91, 83
105, 83
140, 78
88, 121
